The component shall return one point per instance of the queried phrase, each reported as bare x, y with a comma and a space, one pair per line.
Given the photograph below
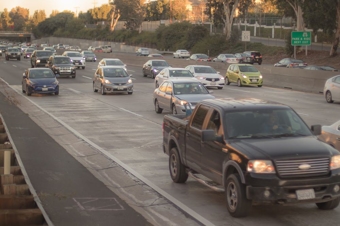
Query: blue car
39, 80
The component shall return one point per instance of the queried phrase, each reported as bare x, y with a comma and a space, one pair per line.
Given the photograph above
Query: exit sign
301, 38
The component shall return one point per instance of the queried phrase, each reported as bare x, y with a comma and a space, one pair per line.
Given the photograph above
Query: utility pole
76, 10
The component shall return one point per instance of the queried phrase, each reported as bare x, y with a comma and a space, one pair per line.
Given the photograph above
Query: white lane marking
14, 65
86, 77
131, 112
73, 90
131, 70
239, 90
176, 202
303, 114
94, 69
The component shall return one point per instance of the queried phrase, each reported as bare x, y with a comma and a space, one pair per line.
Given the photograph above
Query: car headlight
183, 102
201, 77
130, 80
155, 70
244, 76
260, 76
221, 78
107, 81
71, 60
262, 166
38, 61
335, 162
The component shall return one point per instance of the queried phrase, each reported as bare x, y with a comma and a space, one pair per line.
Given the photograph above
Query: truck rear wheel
328, 205
237, 203
176, 168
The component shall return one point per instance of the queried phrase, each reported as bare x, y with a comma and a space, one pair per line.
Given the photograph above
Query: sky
60, 5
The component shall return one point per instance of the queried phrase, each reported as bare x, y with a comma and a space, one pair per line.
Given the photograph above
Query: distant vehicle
322, 68
106, 48
28, 52
76, 58
142, 52
60, 46
243, 75
331, 135
39, 58
153, 67
156, 55
290, 62
176, 95
39, 80
19, 48
67, 46
97, 49
331, 89
226, 58
13, 53
75, 48
112, 62
112, 79
43, 45
90, 48
257, 56
207, 75
2, 49
62, 66
50, 49
200, 57
173, 74
244, 58
181, 53
89, 56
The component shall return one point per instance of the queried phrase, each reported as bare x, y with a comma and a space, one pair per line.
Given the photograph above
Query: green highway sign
301, 38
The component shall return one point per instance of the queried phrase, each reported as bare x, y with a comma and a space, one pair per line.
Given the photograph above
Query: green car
243, 75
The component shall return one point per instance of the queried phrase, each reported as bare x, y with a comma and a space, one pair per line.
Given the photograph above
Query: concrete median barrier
288, 78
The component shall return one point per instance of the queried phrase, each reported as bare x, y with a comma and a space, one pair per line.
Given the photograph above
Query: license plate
254, 80
301, 64
76, 63
305, 194
120, 88
213, 83
44, 89
257, 57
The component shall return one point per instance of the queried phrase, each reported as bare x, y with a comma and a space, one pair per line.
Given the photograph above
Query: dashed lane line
86, 77
75, 91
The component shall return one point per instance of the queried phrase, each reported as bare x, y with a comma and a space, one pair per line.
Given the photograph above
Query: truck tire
176, 168
328, 205
158, 110
237, 203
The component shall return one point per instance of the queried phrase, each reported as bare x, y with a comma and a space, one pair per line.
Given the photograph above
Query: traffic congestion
130, 126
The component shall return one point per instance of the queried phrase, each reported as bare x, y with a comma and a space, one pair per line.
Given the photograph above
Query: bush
210, 45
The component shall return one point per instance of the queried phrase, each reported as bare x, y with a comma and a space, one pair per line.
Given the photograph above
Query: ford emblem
213, 80
304, 166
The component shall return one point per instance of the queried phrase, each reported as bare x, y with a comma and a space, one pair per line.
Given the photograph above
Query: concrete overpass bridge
16, 35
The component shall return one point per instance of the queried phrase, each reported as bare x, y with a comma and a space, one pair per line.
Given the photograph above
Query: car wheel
94, 89
28, 93
153, 75
156, 85
144, 75
329, 205
130, 93
177, 169
56, 93
174, 111
259, 86
219, 87
19, 58
239, 83
83, 68
32, 66
158, 110
102, 91
7, 58
329, 97
226, 80
237, 203
260, 63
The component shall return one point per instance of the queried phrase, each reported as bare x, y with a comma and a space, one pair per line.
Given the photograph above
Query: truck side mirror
316, 129
208, 135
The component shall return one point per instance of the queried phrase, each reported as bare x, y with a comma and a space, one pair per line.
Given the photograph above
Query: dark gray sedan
331, 135
178, 95
112, 79
153, 67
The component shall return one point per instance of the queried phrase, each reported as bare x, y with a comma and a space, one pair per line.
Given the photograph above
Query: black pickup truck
255, 151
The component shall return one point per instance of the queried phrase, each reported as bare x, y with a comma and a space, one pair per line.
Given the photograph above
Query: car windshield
248, 69
266, 123
36, 74
180, 73
40, 54
159, 63
88, 52
189, 88
63, 60
114, 62
144, 49
74, 54
229, 56
49, 48
202, 56
115, 72
296, 61
12, 50
208, 70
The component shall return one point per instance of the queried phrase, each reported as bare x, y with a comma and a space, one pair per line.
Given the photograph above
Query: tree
5, 19
86, 17
132, 11
115, 15
101, 13
325, 15
38, 16
54, 13
19, 17
156, 10
178, 9
50, 25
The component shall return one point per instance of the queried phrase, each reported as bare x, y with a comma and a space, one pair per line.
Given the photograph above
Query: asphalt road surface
127, 128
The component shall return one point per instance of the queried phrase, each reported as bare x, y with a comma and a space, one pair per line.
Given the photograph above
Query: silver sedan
331, 89
331, 135
179, 95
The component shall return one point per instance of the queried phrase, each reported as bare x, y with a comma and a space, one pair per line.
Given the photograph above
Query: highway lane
128, 128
